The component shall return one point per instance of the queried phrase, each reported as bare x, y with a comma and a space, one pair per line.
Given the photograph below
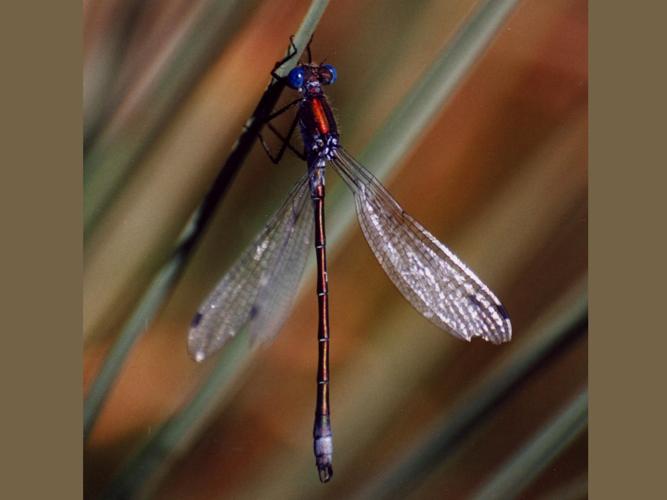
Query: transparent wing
425, 271
260, 286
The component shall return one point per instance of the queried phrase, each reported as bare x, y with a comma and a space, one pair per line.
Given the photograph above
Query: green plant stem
545, 446
148, 308
162, 286
407, 123
411, 118
441, 440
110, 96
144, 469
108, 163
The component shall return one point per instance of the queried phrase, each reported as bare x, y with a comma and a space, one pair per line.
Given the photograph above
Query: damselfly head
309, 78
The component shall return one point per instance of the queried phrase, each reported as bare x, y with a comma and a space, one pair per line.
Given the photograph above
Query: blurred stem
574, 489
439, 442
161, 287
141, 471
107, 163
146, 311
534, 457
110, 95
407, 123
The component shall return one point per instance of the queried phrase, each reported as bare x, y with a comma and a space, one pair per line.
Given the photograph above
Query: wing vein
259, 287
436, 282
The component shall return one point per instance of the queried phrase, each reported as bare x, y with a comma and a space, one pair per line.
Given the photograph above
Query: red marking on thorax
320, 116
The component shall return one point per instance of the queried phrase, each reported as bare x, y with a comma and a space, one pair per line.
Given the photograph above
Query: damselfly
257, 291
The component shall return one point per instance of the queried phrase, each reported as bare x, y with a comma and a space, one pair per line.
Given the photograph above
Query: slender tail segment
323, 444
322, 440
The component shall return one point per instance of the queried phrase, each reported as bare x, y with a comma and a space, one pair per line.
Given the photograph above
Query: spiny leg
285, 142
280, 111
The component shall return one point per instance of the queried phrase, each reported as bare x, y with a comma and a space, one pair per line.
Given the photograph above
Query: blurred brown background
500, 177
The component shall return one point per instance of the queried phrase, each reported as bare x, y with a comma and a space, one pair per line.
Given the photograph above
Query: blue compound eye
327, 74
295, 78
